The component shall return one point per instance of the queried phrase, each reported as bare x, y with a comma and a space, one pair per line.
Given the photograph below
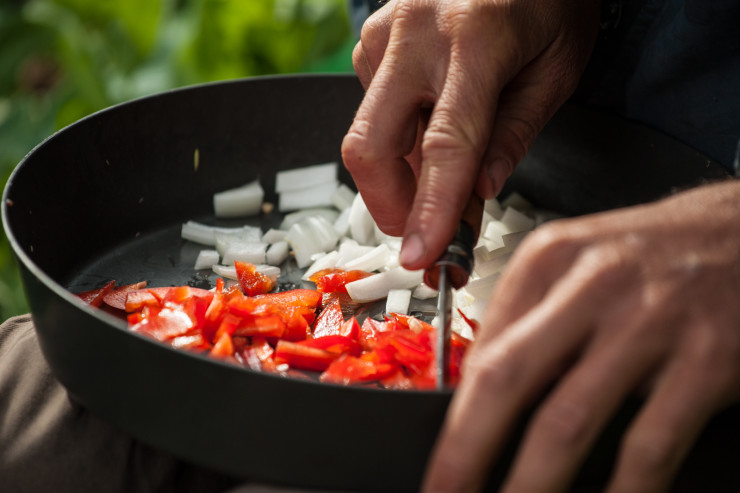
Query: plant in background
61, 60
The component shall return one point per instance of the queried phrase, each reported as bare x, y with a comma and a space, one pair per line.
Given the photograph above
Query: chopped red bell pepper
303, 357
329, 321
251, 281
94, 297
336, 280
116, 298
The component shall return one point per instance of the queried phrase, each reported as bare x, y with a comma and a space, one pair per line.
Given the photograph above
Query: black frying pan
105, 197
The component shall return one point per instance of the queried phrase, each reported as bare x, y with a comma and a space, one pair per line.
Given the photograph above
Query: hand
604, 306
456, 92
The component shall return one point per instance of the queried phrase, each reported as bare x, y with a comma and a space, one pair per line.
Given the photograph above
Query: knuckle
564, 423
357, 149
653, 454
493, 370
518, 132
546, 239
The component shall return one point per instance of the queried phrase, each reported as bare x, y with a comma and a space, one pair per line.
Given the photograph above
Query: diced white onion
393, 242
241, 201
350, 250
361, 223
516, 221
341, 225
294, 217
375, 259
343, 197
493, 266
315, 196
206, 259
516, 201
424, 292
268, 270
253, 253
229, 271
273, 236
225, 271
398, 301
305, 177
377, 286
326, 261
203, 233
277, 253
311, 235
493, 208
226, 240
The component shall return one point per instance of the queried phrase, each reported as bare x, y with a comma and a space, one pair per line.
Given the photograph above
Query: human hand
638, 300
456, 92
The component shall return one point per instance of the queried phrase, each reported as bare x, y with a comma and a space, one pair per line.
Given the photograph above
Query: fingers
503, 375
369, 52
457, 135
384, 128
694, 386
565, 427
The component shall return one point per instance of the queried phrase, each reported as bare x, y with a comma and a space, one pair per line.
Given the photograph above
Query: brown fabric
49, 443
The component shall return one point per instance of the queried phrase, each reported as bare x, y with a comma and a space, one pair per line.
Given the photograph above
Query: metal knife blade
452, 270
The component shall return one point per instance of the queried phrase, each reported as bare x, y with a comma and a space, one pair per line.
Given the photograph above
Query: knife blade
452, 270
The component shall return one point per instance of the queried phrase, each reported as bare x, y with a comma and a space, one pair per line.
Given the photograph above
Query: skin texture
635, 300
598, 307
457, 90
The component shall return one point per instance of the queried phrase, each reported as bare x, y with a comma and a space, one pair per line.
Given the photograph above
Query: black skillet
105, 197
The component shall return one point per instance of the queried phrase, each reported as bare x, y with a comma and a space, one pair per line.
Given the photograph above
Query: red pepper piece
303, 357
267, 326
336, 280
117, 297
335, 343
224, 347
329, 321
95, 297
347, 369
251, 281
293, 297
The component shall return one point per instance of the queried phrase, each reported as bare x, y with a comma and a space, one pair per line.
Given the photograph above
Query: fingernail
498, 172
412, 250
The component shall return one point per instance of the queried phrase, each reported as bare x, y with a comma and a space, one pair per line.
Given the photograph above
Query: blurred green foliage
63, 59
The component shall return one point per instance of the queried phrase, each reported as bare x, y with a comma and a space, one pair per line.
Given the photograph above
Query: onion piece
273, 236
343, 197
277, 253
241, 201
341, 225
229, 271
251, 252
247, 235
398, 301
203, 233
376, 287
424, 292
290, 219
315, 196
491, 267
326, 261
225, 271
375, 259
361, 223
311, 235
305, 177
516, 221
206, 259
350, 250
